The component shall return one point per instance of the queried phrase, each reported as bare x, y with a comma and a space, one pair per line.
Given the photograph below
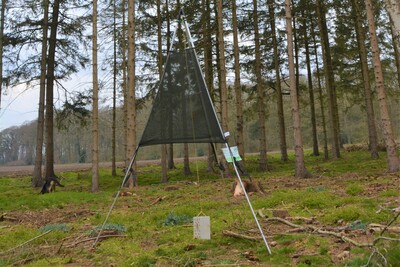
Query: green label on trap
233, 152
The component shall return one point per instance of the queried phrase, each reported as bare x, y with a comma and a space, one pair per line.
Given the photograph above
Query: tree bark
260, 93
37, 179
49, 92
95, 108
278, 87
363, 55
391, 148
301, 171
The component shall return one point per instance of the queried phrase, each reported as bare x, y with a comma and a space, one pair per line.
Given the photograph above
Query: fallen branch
383, 228
313, 229
91, 239
299, 218
23, 262
344, 238
4, 217
159, 199
236, 235
391, 222
376, 251
26, 242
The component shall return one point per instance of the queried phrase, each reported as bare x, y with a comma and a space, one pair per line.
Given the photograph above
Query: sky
19, 105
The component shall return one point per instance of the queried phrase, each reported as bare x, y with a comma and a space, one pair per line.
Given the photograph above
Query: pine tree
391, 149
95, 109
37, 180
301, 171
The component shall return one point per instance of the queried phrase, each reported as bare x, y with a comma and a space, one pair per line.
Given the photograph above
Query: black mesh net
182, 111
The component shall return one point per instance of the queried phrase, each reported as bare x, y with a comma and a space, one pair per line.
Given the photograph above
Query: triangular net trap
182, 111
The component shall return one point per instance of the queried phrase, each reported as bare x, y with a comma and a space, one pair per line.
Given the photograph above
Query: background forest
331, 44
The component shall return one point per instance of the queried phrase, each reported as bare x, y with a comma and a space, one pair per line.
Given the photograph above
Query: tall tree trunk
124, 79
131, 99
296, 49
391, 149
186, 163
95, 111
396, 48
301, 171
114, 105
222, 69
208, 69
260, 93
49, 91
362, 50
393, 8
181, 45
37, 179
278, 87
171, 163
329, 81
2, 19
237, 84
222, 74
320, 95
310, 87
170, 149
164, 177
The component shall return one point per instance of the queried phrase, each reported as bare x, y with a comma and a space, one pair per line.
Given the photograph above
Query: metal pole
227, 145
248, 200
117, 195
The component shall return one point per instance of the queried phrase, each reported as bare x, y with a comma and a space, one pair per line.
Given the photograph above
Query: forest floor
346, 215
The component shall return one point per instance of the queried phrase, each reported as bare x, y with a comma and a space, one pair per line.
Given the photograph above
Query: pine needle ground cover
344, 216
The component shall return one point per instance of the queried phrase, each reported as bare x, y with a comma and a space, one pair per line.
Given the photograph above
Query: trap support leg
248, 201
127, 173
